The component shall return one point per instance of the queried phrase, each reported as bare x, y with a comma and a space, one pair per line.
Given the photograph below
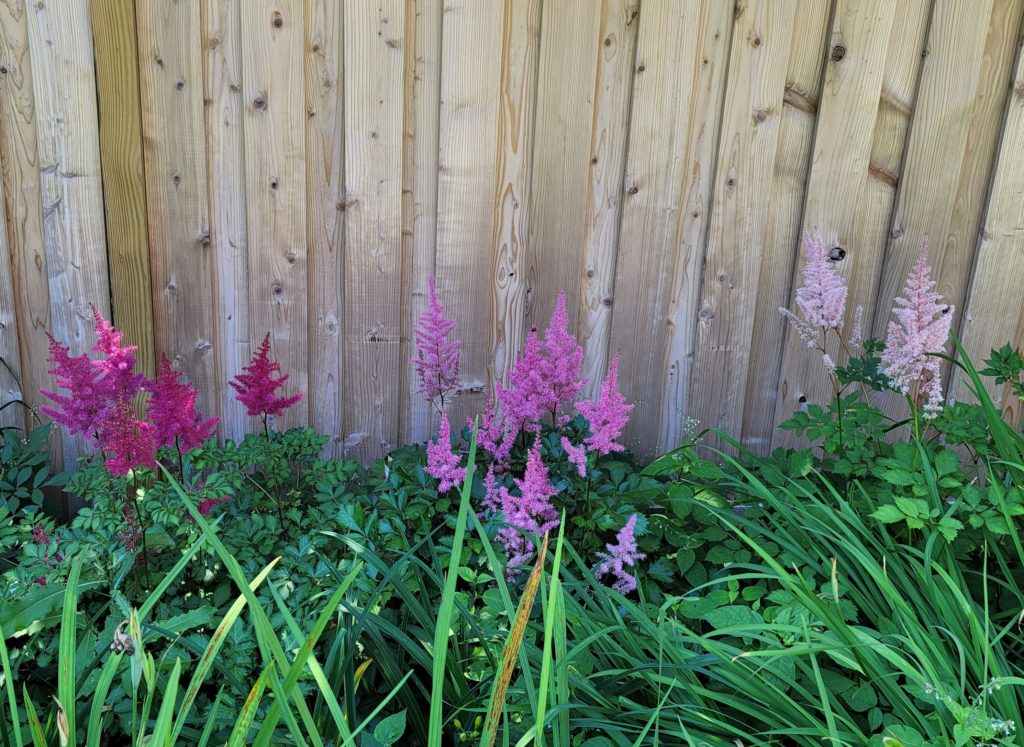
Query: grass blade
12, 699
68, 644
162, 728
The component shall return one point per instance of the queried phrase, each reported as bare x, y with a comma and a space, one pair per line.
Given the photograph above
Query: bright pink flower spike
922, 326
528, 514
607, 415
172, 409
437, 357
577, 455
622, 554
256, 384
127, 442
442, 463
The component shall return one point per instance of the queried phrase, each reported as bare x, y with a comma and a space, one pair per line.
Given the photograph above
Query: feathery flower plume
856, 334
494, 435
620, 555
922, 327
257, 384
437, 357
564, 357
607, 415
442, 462
86, 406
528, 514
529, 394
577, 455
822, 299
118, 363
172, 409
126, 441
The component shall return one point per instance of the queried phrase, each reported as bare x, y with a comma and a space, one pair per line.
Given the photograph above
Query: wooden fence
212, 170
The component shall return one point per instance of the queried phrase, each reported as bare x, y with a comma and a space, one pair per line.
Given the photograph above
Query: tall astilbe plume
126, 441
564, 358
437, 357
443, 463
607, 415
172, 410
922, 326
256, 385
620, 556
529, 513
822, 298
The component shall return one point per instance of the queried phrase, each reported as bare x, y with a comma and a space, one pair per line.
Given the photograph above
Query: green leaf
888, 514
733, 615
391, 729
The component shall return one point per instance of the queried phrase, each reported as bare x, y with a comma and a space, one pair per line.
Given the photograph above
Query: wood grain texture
870, 78
10, 357
64, 80
763, 34
373, 67
224, 112
181, 255
681, 59
602, 211
512, 199
423, 21
993, 314
23, 206
115, 45
569, 49
782, 230
467, 165
273, 40
325, 203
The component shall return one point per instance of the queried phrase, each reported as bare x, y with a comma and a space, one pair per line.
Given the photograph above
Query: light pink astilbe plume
577, 455
822, 299
529, 394
442, 463
437, 357
564, 357
922, 327
172, 409
256, 384
494, 435
607, 415
622, 554
126, 441
529, 513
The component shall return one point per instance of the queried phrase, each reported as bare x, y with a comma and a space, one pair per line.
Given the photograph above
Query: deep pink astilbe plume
577, 455
607, 415
565, 357
619, 556
88, 402
256, 384
528, 514
922, 327
126, 441
437, 357
118, 363
442, 462
172, 409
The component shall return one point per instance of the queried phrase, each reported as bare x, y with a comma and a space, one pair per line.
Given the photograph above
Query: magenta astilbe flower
577, 455
126, 441
442, 463
257, 384
607, 415
118, 363
922, 327
529, 394
565, 357
206, 506
437, 357
172, 409
622, 554
529, 513
87, 404
494, 435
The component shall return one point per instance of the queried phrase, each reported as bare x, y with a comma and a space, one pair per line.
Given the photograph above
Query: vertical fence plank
957, 120
225, 191
467, 166
782, 231
12, 416
602, 210
275, 187
69, 165
423, 21
512, 197
994, 313
373, 65
325, 215
181, 258
750, 135
124, 187
870, 79
682, 53
569, 48
22, 201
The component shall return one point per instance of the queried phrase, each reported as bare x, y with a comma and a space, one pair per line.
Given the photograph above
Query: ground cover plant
521, 578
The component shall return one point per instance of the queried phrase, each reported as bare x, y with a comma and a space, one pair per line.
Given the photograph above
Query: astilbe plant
620, 556
257, 385
437, 357
443, 463
528, 510
172, 409
607, 415
921, 329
